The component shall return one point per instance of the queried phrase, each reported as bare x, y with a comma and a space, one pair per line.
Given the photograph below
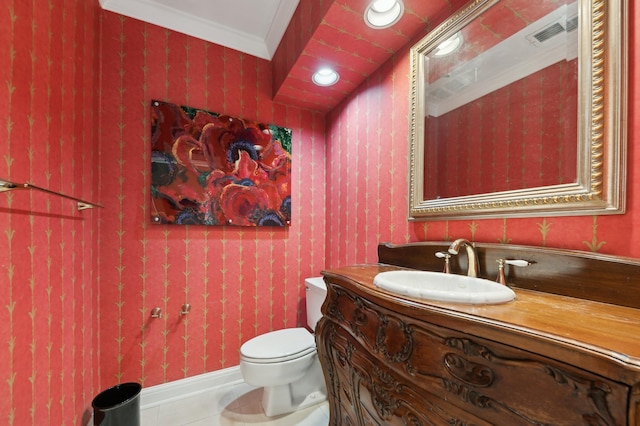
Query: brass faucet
472, 258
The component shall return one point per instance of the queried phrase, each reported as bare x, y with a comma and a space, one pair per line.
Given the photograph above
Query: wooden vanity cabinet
390, 360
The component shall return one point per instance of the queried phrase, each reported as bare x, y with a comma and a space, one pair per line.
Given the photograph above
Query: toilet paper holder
185, 309
156, 312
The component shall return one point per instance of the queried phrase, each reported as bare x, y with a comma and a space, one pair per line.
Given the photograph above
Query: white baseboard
171, 391
184, 388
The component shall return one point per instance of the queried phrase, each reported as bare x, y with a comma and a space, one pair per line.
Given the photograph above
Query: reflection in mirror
509, 111
506, 104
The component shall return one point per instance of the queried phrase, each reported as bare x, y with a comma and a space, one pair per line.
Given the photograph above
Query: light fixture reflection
325, 77
449, 46
383, 13
383, 6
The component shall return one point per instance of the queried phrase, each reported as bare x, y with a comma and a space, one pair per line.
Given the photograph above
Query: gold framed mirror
518, 109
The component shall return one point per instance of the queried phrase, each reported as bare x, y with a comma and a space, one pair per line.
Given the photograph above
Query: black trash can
118, 406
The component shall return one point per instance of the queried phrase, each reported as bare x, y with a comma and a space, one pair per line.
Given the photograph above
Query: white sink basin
443, 287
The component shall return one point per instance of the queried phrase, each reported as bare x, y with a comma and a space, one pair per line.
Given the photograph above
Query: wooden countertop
599, 334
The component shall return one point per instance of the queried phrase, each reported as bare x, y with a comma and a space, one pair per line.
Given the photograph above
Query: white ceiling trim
196, 26
284, 13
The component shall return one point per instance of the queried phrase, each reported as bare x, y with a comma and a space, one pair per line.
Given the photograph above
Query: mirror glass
516, 111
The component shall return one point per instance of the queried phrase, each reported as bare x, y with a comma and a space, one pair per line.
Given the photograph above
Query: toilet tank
316, 291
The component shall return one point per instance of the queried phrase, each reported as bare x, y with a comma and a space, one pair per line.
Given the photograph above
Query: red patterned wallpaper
308, 15
367, 160
49, 367
240, 282
77, 288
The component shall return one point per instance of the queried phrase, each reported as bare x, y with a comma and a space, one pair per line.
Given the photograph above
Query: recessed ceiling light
325, 77
448, 46
383, 13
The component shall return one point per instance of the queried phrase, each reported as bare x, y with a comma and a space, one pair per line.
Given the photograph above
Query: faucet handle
515, 262
446, 256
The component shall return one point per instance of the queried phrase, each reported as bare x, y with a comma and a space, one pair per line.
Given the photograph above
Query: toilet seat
278, 346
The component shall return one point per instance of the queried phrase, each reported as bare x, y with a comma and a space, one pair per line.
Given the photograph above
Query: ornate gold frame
602, 126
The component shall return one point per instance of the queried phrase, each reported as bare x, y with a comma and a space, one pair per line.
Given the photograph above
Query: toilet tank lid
317, 282
279, 343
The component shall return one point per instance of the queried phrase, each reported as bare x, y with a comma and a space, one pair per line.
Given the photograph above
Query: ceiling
311, 34
250, 26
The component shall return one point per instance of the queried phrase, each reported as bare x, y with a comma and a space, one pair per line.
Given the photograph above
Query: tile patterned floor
233, 405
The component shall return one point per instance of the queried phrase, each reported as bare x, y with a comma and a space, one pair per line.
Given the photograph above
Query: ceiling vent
549, 32
552, 30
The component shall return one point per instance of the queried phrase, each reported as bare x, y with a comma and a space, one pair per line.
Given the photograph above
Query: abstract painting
215, 169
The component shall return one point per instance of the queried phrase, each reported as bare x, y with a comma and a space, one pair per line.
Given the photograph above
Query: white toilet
285, 362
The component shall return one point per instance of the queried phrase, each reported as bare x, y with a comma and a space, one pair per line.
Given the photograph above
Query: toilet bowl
285, 362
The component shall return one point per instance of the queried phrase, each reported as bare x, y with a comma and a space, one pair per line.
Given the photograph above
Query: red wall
367, 153
304, 22
519, 136
240, 281
367, 149
77, 288
48, 250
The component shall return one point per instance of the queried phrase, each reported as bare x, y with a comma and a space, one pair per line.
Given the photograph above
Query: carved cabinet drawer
397, 370
364, 392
